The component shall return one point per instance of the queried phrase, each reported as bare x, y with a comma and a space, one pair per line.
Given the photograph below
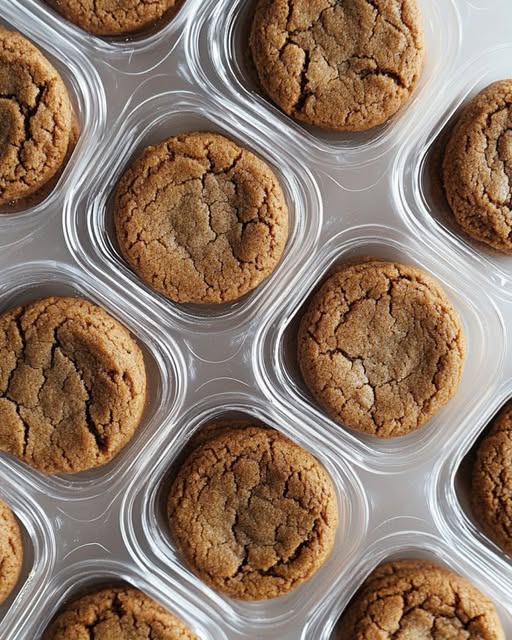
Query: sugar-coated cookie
254, 514
201, 219
113, 17
413, 599
477, 167
37, 126
381, 348
120, 613
492, 481
72, 385
11, 551
340, 65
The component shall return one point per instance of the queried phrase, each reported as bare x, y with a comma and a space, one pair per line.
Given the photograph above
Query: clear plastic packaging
348, 195
88, 101
223, 66
417, 171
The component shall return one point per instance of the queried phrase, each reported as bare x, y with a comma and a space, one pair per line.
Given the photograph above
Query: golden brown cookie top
477, 167
11, 551
117, 614
201, 219
254, 514
113, 17
418, 599
72, 385
36, 120
381, 348
339, 65
492, 481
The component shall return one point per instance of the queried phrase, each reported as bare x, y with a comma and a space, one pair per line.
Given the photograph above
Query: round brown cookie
201, 219
492, 481
416, 599
11, 552
340, 65
72, 385
254, 514
381, 348
113, 17
477, 167
36, 119
117, 614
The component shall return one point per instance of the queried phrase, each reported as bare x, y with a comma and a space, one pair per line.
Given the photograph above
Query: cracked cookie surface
113, 17
492, 481
416, 599
381, 348
72, 385
11, 551
254, 514
117, 614
338, 65
36, 119
201, 219
477, 167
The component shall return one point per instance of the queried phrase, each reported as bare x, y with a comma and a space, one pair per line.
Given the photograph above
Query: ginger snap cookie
11, 551
492, 481
201, 219
477, 167
114, 17
339, 65
254, 514
117, 614
381, 348
418, 599
37, 126
72, 385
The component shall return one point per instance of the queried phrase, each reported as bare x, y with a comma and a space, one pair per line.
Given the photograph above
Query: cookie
492, 481
201, 219
340, 65
11, 552
114, 17
477, 167
117, 614
254, 514
418, 599
37, 126
72, 385
381, 348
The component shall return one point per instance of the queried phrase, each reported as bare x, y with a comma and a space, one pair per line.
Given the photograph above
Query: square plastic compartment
149, 540
88, 101
164, 367
90, 229
38, 552
217, 47
451, 500
416, 174
279, 377
411, 544
80, 578
135, 53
